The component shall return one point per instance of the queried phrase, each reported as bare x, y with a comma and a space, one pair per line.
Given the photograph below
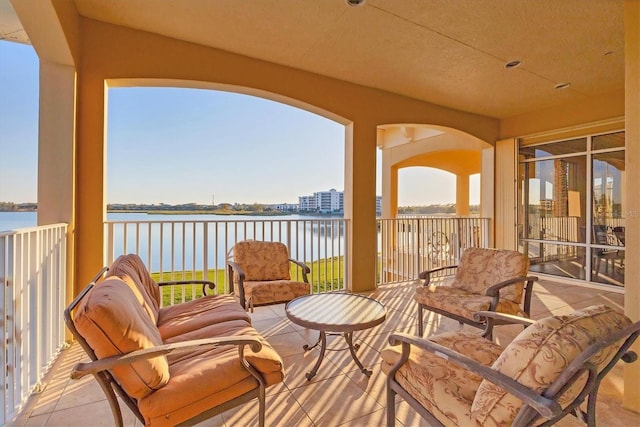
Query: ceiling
448, 52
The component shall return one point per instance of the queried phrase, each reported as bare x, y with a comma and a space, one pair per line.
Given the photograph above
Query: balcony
32, 266
339, 395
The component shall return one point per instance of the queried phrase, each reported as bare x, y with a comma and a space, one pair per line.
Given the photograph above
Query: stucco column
389, 186
360, 205
462, 195
505, 200
56, 154
632, 213
90, 177
56, 134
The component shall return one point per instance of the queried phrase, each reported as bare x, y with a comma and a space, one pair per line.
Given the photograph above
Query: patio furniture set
186, 362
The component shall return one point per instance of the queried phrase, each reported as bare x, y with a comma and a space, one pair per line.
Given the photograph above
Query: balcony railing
408, 246
33, 276
33, 266
182, 250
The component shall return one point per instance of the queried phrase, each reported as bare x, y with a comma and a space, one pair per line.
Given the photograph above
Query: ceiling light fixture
564, 85
355, 3
513, 64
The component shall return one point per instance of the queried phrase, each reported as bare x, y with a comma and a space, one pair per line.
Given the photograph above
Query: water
15, 220
168, 244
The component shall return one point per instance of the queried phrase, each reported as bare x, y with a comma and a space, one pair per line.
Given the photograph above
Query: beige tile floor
339, 395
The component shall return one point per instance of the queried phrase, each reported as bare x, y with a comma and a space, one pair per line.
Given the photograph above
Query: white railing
408, 246
182, 250
33, 276
33, 267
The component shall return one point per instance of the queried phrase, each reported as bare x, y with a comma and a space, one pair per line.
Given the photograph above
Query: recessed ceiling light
564, 85
513, 64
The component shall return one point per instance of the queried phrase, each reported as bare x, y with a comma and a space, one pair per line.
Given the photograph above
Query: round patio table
335, 314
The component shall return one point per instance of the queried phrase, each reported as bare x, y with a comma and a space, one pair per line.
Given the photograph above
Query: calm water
170, 246
15, 220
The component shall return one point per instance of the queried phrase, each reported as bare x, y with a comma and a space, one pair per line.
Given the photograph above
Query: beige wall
632, 214
102, 52
122, 56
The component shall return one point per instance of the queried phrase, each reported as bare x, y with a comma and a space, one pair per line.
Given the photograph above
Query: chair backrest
480, 268
262, 260
108, 383
548, 355
131, 269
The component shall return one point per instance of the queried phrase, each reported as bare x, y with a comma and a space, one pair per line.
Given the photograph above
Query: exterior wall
505, 199
632, 160
445, 149
112, 55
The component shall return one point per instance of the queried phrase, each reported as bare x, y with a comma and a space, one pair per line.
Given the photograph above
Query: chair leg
261, 407
591, 408
391, 405
420, 320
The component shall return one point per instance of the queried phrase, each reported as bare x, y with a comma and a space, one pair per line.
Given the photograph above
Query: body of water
176, 242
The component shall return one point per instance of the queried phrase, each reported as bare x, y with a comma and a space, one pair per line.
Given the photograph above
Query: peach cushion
132, 270
262, 260
443, 388
203, 379
540, 353
112, 321
193, 315
480, 268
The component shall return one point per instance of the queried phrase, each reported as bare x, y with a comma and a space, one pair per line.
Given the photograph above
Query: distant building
285, 207
331, 201
307, 203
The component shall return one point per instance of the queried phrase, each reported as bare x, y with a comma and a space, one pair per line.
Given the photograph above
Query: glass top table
335, 314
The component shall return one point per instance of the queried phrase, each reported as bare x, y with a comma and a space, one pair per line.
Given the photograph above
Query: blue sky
188, 145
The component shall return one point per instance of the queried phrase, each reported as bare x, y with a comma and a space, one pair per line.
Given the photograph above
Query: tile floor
339, 395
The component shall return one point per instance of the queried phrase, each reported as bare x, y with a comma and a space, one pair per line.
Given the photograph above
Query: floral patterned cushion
539, 354
272, 291
262, 260
443, 388
479, 268
460, 302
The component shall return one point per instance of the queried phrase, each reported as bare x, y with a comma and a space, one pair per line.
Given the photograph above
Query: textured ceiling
449, 52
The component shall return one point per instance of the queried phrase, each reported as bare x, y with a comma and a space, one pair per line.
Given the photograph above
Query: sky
175, 145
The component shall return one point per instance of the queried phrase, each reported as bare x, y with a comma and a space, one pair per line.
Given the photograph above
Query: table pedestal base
322, 341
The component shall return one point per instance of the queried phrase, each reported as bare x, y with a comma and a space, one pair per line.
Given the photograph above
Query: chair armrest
503, 318
82, 369
426, 275
205, 284
305, 269
493, 290
231, 266
547, 408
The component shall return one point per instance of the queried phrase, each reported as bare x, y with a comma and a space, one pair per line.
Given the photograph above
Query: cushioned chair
462, 379
171, 365
485, 280
261, 273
